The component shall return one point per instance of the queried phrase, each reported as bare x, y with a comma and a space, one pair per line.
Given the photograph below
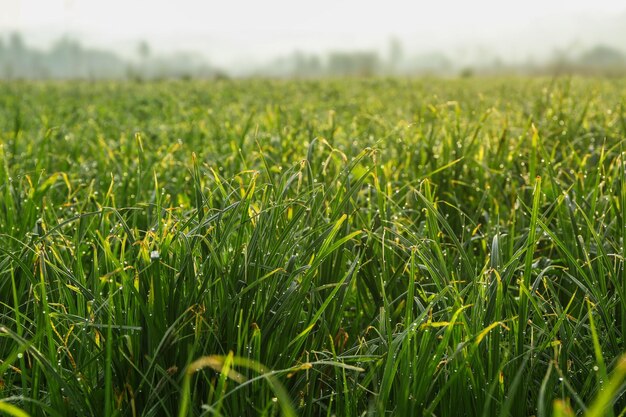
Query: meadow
353, 247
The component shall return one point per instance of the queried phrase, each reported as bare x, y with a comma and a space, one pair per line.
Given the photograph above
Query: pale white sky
262, 26
146, 17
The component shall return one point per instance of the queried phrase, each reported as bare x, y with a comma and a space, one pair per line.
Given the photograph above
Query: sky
232, 29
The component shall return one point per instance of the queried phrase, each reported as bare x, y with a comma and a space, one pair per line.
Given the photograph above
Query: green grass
318, 248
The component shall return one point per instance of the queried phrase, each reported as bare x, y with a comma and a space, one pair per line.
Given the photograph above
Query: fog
283, 38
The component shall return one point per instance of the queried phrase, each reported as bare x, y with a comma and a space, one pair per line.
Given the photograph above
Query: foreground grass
377, 247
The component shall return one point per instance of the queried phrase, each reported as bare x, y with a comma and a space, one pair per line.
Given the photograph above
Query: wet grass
318, 248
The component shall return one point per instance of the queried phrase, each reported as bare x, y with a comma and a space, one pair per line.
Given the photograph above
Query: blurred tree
16, 43
602, 56
15, 56
69, 59
306, 65
396, 54
144, 70
143, 50
3, 59
66, 59
353, 63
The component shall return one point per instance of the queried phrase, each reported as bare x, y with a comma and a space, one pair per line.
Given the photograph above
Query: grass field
313, 248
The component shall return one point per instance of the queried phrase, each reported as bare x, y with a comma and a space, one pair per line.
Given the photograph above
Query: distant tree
15, 59
353, 63
396, 53
602, 56
466, 72
143, 50
66, 59
3, 59
305, 65
16, 43
69, 59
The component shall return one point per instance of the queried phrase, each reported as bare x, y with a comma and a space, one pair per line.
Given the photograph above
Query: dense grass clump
313, 248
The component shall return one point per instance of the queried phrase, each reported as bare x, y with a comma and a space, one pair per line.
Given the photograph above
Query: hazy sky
235, 28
